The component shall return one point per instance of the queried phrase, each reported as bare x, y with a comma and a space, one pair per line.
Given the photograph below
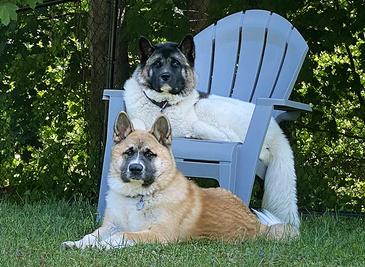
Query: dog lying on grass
149, 200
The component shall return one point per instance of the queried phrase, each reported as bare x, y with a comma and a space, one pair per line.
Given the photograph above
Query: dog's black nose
136, 167
165, 77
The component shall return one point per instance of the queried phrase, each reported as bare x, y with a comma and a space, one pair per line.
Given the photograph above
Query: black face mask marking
165, 71
138, 165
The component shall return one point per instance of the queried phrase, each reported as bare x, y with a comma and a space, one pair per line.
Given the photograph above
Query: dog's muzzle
165, 77
135, 171
136, 168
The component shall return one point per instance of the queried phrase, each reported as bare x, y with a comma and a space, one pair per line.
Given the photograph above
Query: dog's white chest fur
143, 113
127, 213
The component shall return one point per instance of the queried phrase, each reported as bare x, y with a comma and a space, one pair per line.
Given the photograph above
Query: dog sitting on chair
149, 200
165, 83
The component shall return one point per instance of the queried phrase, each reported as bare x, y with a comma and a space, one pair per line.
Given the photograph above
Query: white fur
266, 217
225, 119
123, 215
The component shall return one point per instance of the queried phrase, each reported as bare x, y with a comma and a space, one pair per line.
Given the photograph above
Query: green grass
31, 234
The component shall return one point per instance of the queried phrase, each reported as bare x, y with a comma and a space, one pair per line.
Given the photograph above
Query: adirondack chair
254, 56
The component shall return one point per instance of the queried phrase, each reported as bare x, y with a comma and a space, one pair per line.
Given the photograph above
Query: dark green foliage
8, 9
43, 143
44, 74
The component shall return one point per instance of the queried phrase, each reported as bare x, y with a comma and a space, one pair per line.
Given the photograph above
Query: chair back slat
252, 45
278, 32
249, 55
204, 54
227, 33
297, 48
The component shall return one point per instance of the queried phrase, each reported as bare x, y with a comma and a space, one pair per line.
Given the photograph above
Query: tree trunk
99, 24
121, 62
198, 15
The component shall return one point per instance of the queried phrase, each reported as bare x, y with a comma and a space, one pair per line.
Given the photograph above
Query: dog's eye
175, 63
129, 152
158, 64
149, 154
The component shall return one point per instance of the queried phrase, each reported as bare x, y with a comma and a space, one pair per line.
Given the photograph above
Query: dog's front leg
203, 130
91, 240
126, 239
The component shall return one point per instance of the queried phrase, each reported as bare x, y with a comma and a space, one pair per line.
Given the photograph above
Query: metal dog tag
140, 204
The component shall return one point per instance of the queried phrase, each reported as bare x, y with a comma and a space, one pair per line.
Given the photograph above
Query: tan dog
149, 200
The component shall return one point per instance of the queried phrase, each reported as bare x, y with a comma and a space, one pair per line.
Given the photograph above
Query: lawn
31, 234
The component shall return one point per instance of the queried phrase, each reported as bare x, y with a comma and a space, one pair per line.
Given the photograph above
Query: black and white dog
165, 83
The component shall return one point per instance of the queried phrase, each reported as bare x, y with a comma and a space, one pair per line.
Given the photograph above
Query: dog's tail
274, 228
280, 180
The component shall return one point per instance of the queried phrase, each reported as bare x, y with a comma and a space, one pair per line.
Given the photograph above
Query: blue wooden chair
254, 56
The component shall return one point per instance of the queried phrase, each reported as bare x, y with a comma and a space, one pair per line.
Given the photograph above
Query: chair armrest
111, 93
282, 104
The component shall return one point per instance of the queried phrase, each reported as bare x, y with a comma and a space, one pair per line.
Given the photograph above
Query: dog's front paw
69, 244
88, 241
115, 242
74, 244
188, 136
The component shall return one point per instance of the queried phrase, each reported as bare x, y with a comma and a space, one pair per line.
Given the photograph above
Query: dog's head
168, 67
141, 161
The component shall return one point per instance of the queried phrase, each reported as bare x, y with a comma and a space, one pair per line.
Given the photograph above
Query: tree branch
358, 84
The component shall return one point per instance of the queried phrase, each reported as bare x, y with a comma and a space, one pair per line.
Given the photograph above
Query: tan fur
176, 209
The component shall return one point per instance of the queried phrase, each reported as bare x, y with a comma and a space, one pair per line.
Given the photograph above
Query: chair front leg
249, 151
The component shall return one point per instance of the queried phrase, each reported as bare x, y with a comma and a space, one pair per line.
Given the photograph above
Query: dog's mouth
143, 181
175, 91
166, 88
147, 182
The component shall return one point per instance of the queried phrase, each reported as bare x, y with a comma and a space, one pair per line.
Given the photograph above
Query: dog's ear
187, 47
145, 49
122, 127
161, 129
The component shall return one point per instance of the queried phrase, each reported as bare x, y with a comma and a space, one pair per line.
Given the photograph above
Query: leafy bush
44, 76
43, 85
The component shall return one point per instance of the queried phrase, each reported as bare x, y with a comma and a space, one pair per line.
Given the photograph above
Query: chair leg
248, 153
104, 182
246, 177
227, 175
116, 105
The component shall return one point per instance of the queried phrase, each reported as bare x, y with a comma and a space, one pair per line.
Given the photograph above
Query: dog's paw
115, 242
202, 130
88, 241
74, 244
68, 244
